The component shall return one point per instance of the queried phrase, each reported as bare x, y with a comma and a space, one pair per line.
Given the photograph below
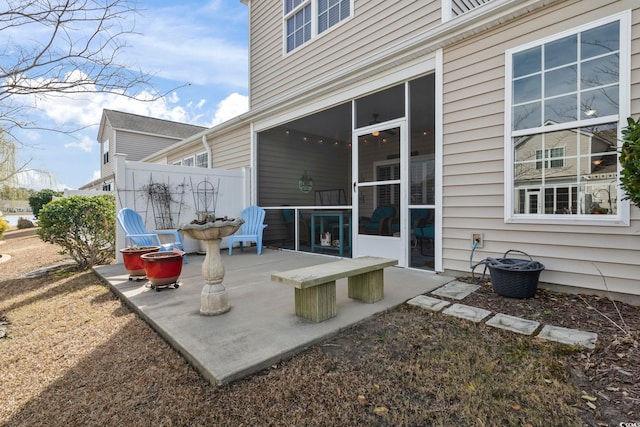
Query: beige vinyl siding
232, 149
473, 160
185, 151
635, 65
374, 25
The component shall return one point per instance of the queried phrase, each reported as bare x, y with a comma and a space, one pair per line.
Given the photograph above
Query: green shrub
41, 198
84, 226
630, 161
24, 223
4, 226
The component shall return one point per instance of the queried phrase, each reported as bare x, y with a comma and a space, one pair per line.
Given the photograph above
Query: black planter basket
514, 277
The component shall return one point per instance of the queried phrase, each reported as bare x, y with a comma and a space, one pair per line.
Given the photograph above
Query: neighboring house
565, 172
492, 119
137, 137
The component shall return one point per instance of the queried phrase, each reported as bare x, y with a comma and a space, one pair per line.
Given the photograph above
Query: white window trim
192, 159
105, 152
624, 83
314, 23
201, 154
546, 161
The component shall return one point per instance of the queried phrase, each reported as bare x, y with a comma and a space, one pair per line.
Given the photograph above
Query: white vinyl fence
167, 196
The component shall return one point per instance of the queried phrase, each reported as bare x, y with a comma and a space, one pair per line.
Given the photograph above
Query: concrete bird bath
214, 298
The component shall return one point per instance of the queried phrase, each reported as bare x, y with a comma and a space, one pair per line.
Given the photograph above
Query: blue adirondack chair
251, 230
133, 226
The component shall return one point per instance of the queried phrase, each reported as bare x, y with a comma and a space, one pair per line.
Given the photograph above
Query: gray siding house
405, 128
137, 137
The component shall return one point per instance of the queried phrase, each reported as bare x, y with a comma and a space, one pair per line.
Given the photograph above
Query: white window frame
314, 22
199, 155
189, 161
624, 85
177, 163
105, 152
547, 160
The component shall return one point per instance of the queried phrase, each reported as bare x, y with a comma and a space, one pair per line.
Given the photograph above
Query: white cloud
230, 107
85, 143
75, 111
199, 48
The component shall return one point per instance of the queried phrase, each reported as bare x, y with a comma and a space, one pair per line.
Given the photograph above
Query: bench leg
317, 303
367, 287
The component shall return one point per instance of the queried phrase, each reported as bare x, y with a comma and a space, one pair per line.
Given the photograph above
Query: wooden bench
315, 286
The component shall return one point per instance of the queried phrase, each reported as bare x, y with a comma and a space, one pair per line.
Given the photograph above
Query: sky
197, 52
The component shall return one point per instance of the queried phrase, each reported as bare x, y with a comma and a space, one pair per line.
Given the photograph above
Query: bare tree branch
64, 47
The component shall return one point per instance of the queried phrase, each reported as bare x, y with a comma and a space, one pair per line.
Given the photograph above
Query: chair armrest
151, 235
173, 233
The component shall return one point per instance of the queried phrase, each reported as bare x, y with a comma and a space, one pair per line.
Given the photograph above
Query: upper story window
550, 158
564, 103
304, 19
105, 152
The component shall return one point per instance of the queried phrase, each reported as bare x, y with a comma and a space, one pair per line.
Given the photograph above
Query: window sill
578, 220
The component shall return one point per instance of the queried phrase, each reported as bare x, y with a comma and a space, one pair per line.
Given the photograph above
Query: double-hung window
566, 98
202, 160
305, 19
105, 152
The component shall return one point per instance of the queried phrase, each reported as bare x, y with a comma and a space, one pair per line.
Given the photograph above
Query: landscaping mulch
73, 354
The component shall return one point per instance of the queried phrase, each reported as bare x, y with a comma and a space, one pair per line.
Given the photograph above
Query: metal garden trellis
160, 196
205, 199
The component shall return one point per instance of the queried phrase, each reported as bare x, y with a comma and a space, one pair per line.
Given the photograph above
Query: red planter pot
162, 268
132, 259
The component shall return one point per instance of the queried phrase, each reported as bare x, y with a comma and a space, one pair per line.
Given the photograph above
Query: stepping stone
467, 312
455, 290
569, 336
429, 303
513, 324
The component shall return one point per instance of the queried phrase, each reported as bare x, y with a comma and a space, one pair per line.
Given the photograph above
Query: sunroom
358, 178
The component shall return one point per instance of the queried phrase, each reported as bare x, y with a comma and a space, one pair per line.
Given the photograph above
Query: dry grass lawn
74, 355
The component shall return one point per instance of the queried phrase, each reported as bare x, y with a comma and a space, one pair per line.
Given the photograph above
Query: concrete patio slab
513, 324
261, 328
455, 290
432, 304
569, 336
467, 312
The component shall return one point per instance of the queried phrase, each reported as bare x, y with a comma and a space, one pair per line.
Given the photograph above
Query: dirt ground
72, 354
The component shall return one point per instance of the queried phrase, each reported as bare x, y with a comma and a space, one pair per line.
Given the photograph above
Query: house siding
107, 169
185, 151
373, 25
231, 149
473, 160
138, 146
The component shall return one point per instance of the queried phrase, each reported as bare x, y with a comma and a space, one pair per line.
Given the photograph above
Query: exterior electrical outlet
478, 237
